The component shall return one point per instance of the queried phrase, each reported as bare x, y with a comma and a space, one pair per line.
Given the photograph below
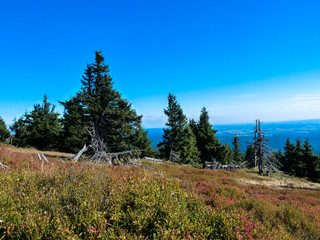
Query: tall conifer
250, 156
208, 144
237, 154
310, 160
178, 137
288, 159
113, 119
39, 128
299, 165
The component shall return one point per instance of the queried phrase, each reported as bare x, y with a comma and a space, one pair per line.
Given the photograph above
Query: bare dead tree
101, 154
264, 158
174, 156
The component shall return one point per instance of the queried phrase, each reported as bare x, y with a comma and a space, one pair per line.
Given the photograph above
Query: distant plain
276, 132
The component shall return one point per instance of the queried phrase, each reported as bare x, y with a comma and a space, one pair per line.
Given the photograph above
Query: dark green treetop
237, 154
176, 123
225, 154
208, 144
250, 156
310, 161
189, 151
39, 128
74, 133
299, 165
288, 159
178, 137
113, 119
4, 132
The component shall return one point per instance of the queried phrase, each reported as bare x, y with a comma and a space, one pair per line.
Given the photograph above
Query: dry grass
280, 183
277, 180
36, 151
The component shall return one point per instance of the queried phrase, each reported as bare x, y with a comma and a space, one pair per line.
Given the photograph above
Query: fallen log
153, 159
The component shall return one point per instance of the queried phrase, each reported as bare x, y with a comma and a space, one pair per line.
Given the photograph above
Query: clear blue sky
240, 59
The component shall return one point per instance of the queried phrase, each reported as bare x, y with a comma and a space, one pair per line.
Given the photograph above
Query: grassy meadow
80, 200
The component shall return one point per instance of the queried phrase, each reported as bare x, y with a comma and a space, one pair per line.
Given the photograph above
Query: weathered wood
264, 158
219, 166
78, 155
101, 154
153, 159
44, 157
174, 156
2, 165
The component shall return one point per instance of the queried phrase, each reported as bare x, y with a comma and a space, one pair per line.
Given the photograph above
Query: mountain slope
165, 201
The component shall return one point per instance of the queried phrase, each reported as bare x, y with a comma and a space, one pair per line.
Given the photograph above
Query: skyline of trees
99, 105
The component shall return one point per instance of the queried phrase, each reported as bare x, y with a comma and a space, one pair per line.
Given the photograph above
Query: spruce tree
225, 155
194, 126
39, 128
309, 159
288, 159
299, 164
20, 132
178, 137
4, 132
237, 154
103, 108
74, 133
208, 144
189, 151
250, 156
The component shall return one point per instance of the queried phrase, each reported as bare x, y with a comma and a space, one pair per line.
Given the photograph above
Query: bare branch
2, 165
84, 149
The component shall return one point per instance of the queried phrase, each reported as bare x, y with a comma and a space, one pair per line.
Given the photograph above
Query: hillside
67, 200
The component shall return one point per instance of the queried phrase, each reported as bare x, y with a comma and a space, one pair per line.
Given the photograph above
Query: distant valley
276, 132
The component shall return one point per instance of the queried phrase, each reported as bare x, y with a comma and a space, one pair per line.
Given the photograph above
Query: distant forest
97, 105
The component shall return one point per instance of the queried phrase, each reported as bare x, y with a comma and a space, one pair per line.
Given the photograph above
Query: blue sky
241, 59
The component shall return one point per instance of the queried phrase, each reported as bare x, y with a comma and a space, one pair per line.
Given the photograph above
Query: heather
80, 200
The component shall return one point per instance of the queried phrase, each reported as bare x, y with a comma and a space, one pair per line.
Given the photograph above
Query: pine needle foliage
208, 144
39, 128
4, 132
237, 154
98, 103
178, 136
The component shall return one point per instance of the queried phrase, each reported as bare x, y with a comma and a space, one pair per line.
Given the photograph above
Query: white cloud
309, 96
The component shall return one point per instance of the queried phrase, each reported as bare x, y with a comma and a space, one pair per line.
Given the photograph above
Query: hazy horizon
276, 132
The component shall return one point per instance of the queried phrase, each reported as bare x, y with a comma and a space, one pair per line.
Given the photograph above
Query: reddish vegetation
65, 200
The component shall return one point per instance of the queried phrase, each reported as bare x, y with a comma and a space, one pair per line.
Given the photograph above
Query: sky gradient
242, 60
